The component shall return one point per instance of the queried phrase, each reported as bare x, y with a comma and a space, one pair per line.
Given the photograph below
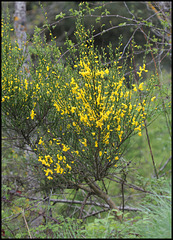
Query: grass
156, 220
139, 152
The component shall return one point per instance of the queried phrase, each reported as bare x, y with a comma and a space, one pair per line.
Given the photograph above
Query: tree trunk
97, 191
20, 30
20, 23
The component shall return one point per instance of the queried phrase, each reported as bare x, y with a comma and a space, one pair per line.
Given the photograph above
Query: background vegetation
141, 185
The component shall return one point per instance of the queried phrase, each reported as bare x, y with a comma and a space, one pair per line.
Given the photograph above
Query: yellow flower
48, 171
59, 169
32, 114
77, 152
50, 177
57, 107
59, 157
74, 124
73, 109
153, 99
40, 141
99, 124
67, 166
139, 73
124, 105
135, 89
118, 128
144, 68
26, 84
122, 115
84, 142
141, 70
141, 86
65, 149
107, 71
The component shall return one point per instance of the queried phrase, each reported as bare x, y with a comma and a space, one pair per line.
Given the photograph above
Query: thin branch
165, 164
151, 152
163, 103
81, 202
11, 139
128, 184
44, 215
18, 214
122, 188
95, 213
129, 42
23, 214
72, 200
104, 210
133, 16
96, 35
68, 201
8, 229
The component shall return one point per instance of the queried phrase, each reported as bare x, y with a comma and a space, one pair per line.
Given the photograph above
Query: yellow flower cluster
57, 164
142, 69
32, 114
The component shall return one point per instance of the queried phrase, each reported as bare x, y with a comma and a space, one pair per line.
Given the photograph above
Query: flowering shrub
76, 116
98, 113
94, 111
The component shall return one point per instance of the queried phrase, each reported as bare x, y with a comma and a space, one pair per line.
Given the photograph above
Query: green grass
156, 220
160, 140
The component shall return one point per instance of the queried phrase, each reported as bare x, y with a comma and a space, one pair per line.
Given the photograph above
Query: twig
127, 208
165, 164
18, 214
151, 153
71, 203
129, 184
23, 214
95, 213
48, 207
122, 188
80, 202
68, 201
8, 229
83, 204
163, 104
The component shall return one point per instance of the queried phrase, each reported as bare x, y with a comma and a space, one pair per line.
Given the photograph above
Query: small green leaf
61, 15
122, 24
98, 19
